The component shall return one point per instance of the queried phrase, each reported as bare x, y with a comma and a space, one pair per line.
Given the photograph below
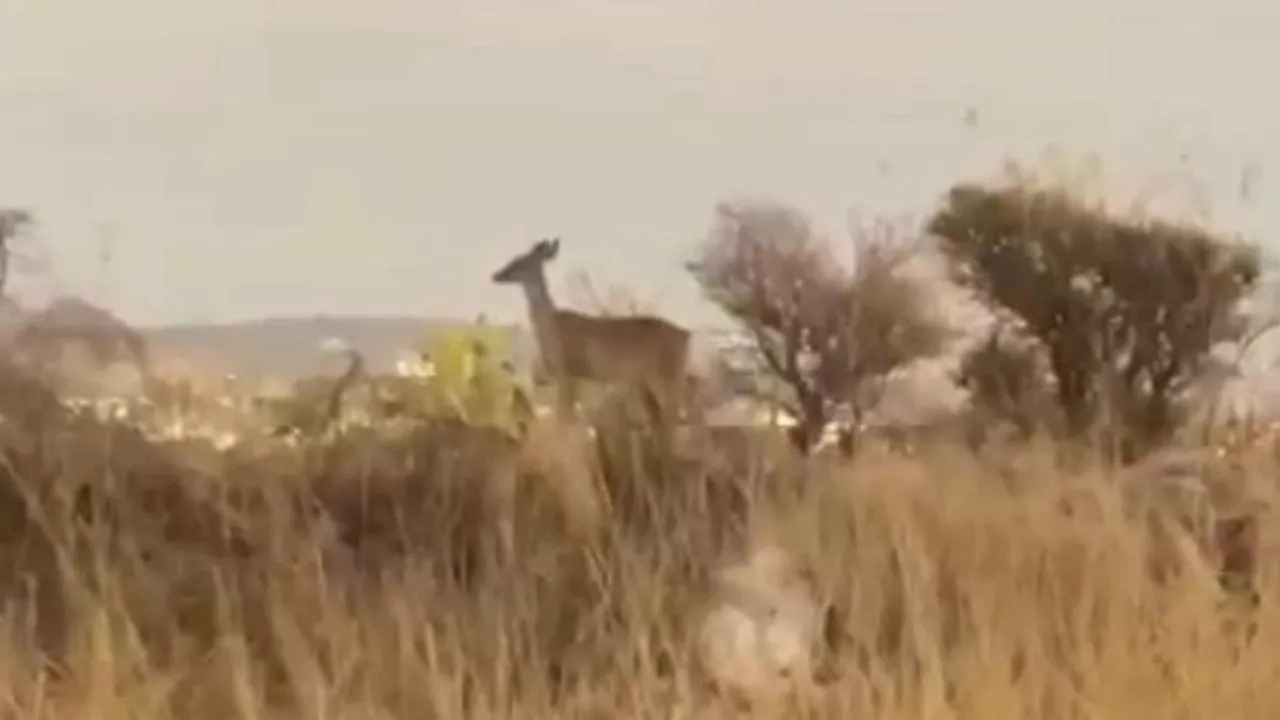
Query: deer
639, 350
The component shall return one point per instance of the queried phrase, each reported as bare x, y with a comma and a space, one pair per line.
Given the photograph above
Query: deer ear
553, 248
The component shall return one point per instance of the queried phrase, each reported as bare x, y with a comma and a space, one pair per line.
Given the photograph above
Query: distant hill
272, 352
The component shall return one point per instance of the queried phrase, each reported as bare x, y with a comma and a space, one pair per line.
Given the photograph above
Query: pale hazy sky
245, 158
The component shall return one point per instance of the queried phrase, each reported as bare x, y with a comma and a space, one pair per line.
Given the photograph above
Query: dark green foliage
1126, 310
1006, 382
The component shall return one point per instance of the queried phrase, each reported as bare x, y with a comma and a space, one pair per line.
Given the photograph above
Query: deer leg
566, 397
663, 400
692, 401
652, 404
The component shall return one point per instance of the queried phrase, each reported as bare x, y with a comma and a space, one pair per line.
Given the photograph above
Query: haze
241, 159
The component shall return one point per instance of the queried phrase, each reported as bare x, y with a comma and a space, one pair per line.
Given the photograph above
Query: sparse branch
825, 332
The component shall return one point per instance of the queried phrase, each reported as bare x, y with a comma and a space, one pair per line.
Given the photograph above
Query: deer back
622, 348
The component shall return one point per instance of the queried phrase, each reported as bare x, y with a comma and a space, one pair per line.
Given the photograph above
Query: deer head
528, 265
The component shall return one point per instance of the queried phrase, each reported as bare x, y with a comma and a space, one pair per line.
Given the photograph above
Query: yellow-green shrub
472, 379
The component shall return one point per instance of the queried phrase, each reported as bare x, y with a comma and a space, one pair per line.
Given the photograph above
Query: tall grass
359, 580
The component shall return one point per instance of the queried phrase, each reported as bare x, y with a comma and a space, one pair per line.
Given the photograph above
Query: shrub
1125, 310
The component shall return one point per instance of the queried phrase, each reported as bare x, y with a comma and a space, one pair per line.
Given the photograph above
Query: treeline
1102, 323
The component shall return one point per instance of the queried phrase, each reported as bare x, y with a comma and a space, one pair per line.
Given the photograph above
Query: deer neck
542, 317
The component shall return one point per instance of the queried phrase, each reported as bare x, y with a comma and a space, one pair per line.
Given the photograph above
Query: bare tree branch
829, 334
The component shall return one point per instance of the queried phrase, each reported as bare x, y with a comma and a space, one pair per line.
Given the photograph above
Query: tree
830, 336
1005, 379
42, 341
1126, 310
12, 221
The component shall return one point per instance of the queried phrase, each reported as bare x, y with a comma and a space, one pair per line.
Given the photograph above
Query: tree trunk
810, 425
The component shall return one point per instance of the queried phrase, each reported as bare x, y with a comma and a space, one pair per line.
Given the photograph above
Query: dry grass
357, 582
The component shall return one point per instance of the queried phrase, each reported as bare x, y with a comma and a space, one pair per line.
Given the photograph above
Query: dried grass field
428, 577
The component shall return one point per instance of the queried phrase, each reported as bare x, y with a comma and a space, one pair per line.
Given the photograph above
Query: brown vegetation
548, 568
368, 578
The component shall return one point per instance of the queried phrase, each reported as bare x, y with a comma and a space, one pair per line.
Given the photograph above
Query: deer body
621, 349
640, 350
